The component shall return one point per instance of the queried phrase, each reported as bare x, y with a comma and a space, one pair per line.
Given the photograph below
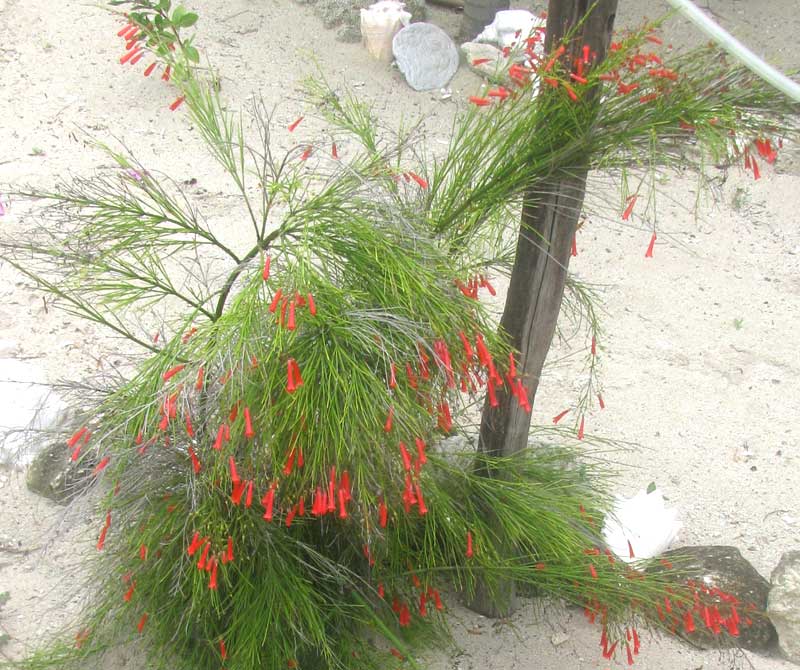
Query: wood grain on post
550, 213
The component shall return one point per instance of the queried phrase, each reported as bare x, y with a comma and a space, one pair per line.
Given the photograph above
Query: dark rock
51, 473
784, 604
722, 572
425, 55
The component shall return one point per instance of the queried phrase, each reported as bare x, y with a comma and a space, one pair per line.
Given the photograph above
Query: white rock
503, 30
27, 404
379, 24
783, 604
645, 522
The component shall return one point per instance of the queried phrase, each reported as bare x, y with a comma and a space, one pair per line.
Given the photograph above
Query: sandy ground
700, 362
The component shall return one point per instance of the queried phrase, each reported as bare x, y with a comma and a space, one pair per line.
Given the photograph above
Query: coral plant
272, 478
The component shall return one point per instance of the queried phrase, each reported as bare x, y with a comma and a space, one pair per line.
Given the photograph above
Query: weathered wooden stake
550, 213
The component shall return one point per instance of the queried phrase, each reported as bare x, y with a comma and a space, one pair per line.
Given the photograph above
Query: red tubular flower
166, 74
298, 379
629, 209
220, 436
345, 485
437, 600
200, 378
129, 593
195, 544
249, 433
101, 466
756, 172
334, 152
383, 514
500, 92
212, 582
238, 492
470, 551
467, 347
421, 450
600, 401
71, 442
143, 552
423, 510
580, 429
412, 378
307, 153
480, 102
265, 271
149, 69
609, 653
332, 490
130, 54
394, 652
201, 563
295, 123
248, 501
289, 465
624, 89
290, 516
493, 402
630, 655
291, 385
632, 555
445, 421
290, 324
648, 98
142, 622
177, 103
195, 461
592, 571
223, 652
480, 61
558, 417
234, 474
649, 252
423, 608
420, 181
275, 300
405, 456
137, 57
404, 616
268, 501
101, 541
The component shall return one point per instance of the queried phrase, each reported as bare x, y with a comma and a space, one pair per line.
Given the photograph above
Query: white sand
714, 406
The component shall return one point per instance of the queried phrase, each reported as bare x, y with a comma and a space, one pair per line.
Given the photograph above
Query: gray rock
783, 607
477, 51
723, 570
425, 55
51, 473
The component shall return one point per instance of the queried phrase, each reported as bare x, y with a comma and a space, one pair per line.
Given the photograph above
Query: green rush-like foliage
268, 501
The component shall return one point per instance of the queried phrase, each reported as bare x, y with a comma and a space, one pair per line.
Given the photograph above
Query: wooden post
550, 213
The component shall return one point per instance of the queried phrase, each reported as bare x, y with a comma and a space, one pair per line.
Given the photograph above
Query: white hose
737, 49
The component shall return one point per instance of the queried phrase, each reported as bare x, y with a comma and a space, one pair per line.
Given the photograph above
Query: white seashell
379, 24
645, 522
503, 30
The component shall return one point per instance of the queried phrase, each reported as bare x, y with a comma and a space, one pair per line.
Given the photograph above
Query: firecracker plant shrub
272, 481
